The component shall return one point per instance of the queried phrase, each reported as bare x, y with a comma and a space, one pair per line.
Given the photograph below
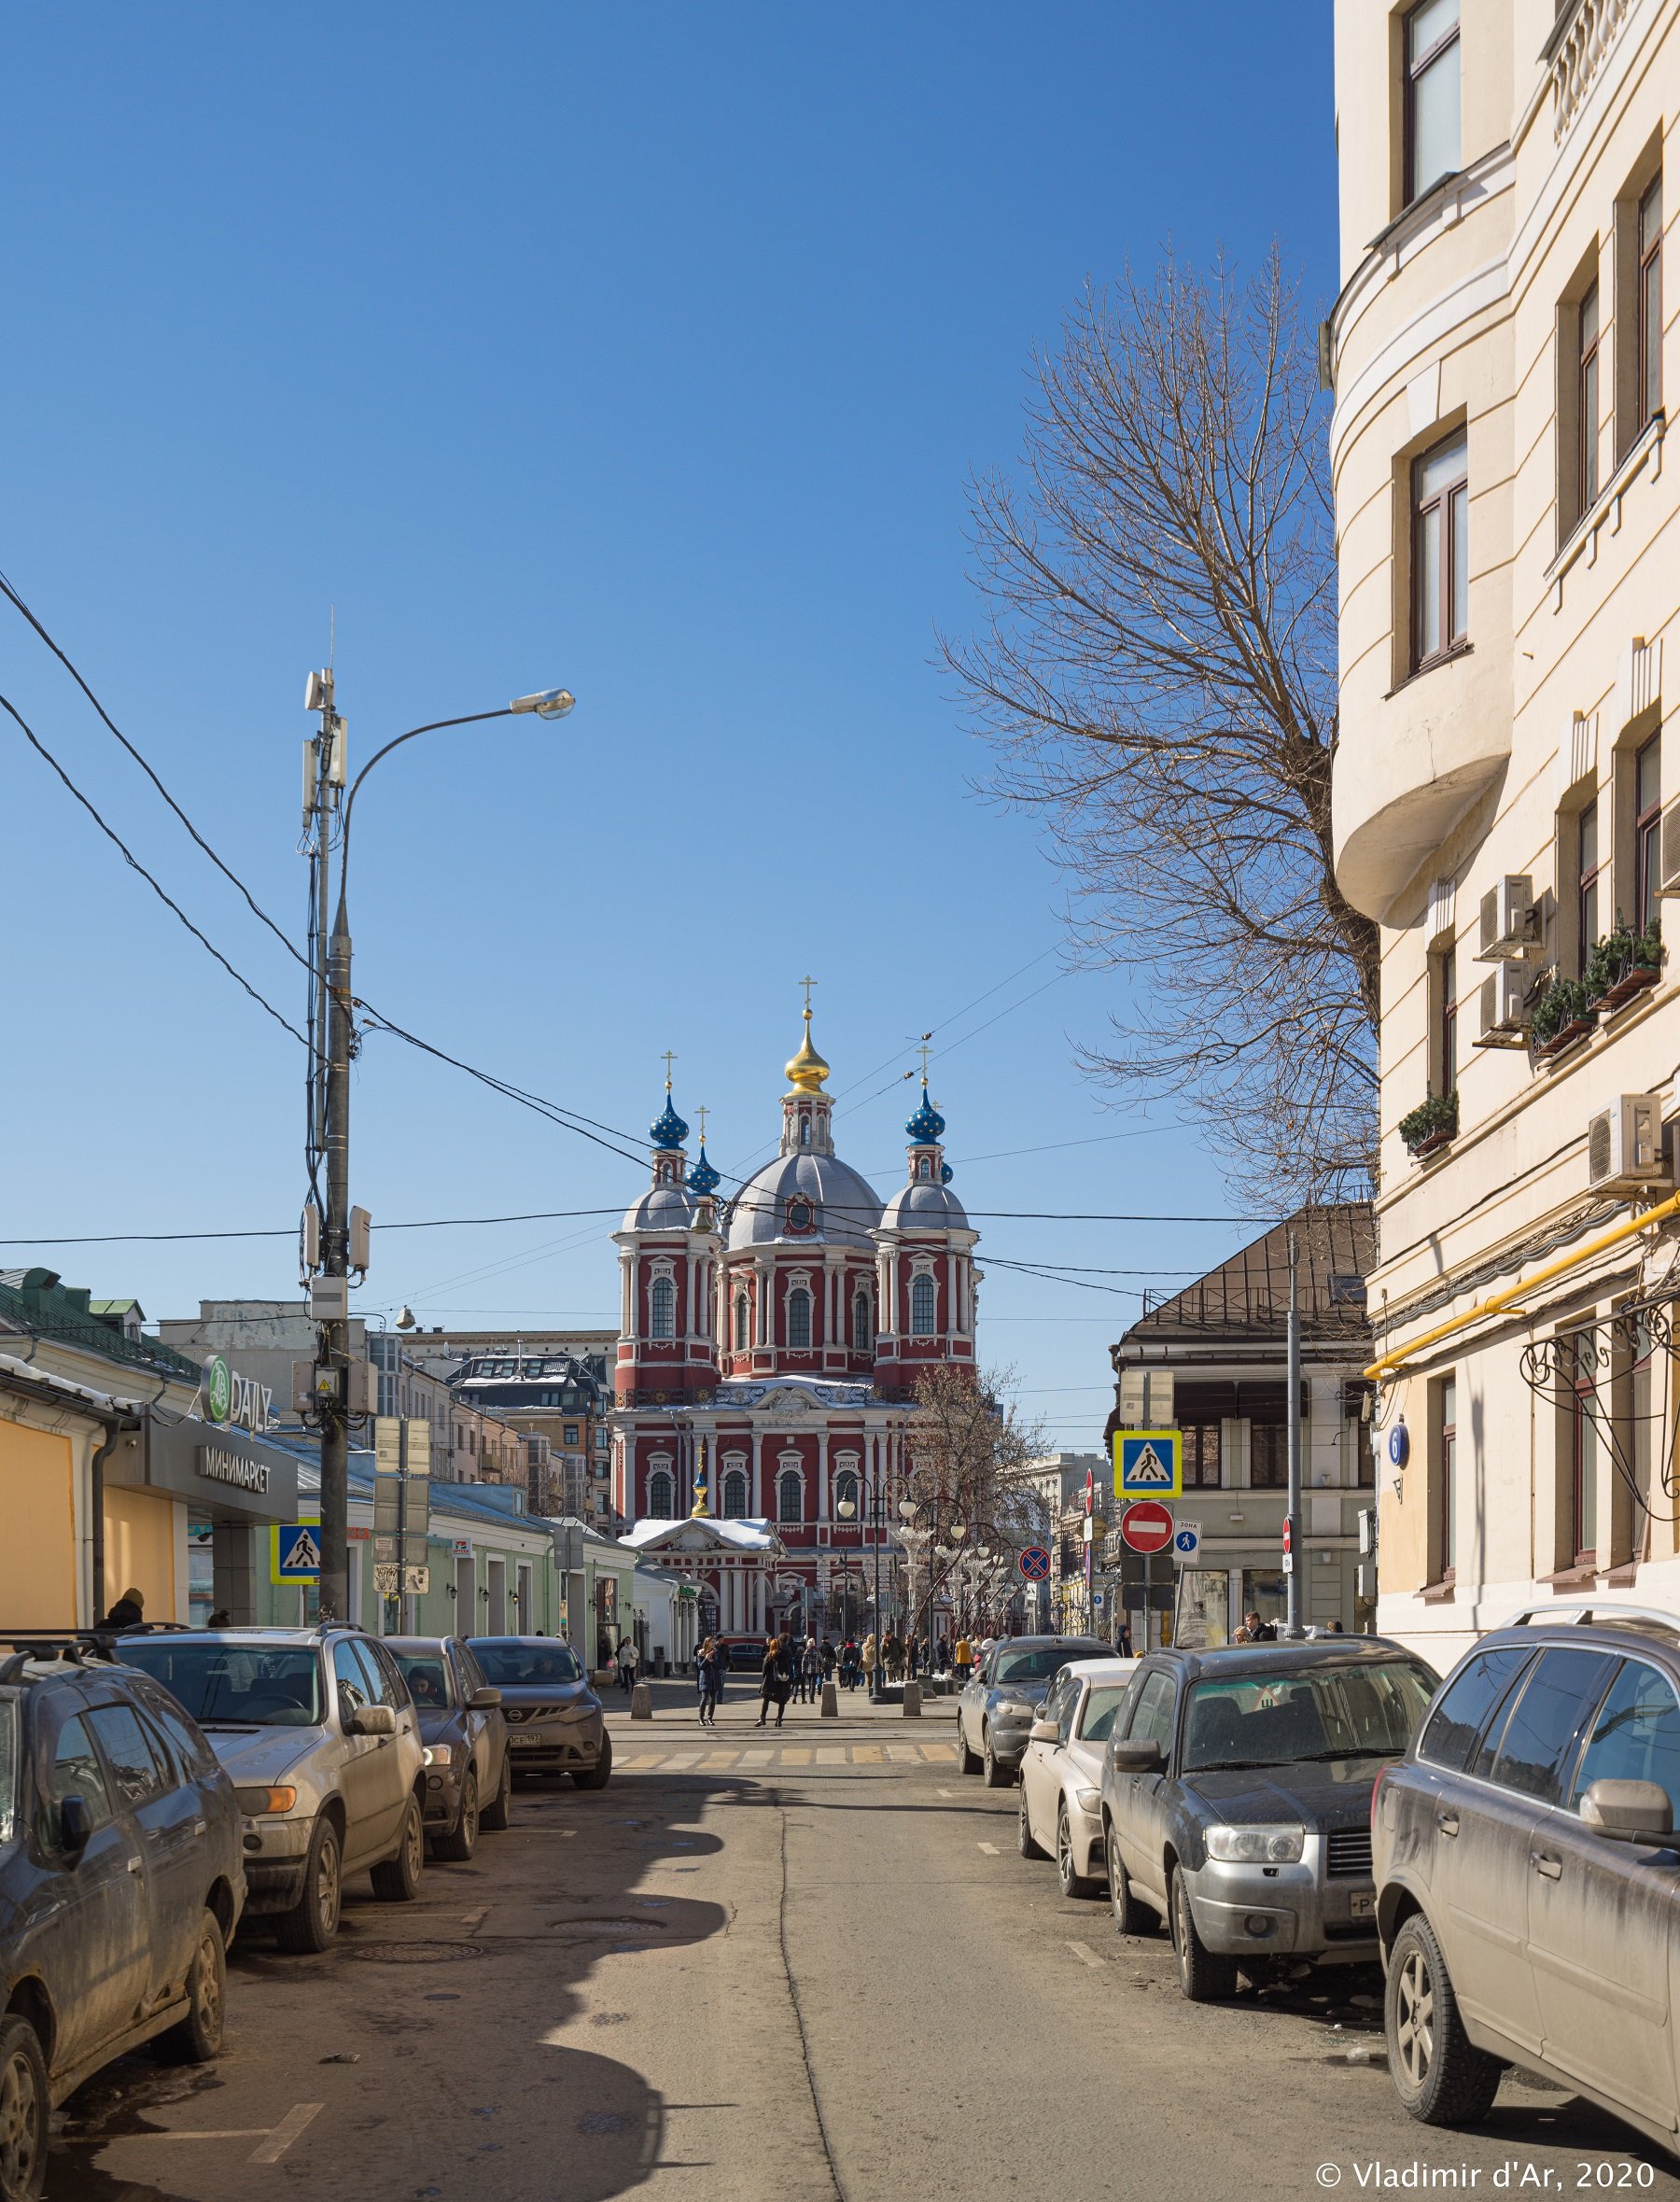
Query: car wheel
966, 1761
198, 2038
1074, 1883
397, 1879
310, 1923
1203, 1977
1026, 1841
996, 1777
597, 1777
495, 1814
25, 2110
1439, 2075
458, 1843
1130, 1917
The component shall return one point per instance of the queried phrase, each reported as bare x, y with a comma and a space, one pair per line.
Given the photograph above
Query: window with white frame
735, 1492
662, 1495
789, 1496
799, 1316
662, 1308
863, 1319
743, 1322
921, 1307
845, 1484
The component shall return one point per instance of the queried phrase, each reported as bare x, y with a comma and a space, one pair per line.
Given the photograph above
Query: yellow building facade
1504, 789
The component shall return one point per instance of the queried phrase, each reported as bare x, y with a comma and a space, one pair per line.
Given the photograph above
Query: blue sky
646, 349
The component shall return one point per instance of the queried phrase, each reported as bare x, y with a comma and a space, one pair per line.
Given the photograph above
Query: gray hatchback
468, 1780
1527, 1871
557, 1724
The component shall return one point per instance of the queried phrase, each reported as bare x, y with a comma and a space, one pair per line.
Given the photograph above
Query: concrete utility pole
1291, 1519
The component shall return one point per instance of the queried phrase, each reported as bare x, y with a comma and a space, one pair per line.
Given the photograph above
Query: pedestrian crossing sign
1149, 1464
295, 1551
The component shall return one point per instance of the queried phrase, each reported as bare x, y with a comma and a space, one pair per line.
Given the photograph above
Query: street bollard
641, 1702
912, 1700
831, 1703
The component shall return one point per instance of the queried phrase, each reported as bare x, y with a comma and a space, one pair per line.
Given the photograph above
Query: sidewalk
675, 1706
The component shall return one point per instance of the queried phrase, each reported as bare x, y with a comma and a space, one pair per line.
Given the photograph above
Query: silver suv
1528, 1872
318, 1732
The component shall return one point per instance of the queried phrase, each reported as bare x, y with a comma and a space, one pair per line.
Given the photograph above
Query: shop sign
223, 1466
231, 1399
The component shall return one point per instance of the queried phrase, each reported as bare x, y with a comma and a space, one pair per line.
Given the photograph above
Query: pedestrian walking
707, 1673
964, 1657
911, 1658
776, 1682
849, 1663
829, 1661
810, 1672
1123, 1640
869, 1658
128, 1613
626, 1665
1260, 1632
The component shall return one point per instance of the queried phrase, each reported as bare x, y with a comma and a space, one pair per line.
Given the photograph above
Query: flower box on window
1564, 1014
1623, 965
1431, 1126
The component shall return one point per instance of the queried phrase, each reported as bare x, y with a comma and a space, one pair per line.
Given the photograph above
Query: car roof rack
79, 1648
1600, 1614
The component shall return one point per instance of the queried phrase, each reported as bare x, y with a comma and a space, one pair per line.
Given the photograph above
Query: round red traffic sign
1146, 1525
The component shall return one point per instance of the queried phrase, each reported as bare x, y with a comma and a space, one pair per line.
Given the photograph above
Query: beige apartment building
1505, 793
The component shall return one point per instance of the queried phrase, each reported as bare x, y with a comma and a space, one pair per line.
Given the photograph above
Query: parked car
1236, 1800
1527, 1871
555, 1721
469, 1767
743, 1655
320, 1736
1000, 1700
1062, 1772
121, 1884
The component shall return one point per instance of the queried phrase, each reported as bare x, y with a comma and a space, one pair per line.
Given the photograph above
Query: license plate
1361, 1907
530, 1743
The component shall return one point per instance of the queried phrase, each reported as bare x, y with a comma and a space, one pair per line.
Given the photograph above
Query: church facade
769, 1342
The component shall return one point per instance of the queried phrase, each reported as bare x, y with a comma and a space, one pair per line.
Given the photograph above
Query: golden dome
807, 1071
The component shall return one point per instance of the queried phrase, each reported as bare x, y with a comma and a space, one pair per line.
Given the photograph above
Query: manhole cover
417, 1953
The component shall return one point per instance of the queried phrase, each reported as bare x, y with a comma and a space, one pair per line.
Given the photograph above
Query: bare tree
969, 1450
1157, 671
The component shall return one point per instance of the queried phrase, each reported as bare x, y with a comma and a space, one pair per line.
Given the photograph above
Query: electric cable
131, 860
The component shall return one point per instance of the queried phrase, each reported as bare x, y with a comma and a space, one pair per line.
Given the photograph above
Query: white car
1062, 1772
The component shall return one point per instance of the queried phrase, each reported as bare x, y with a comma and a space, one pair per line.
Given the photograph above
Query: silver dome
924, 1206
847, 1208
662, 1208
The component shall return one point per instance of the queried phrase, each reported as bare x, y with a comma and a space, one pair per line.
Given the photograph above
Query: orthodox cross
701, 1112
924, 1052
807, 984
668, 1058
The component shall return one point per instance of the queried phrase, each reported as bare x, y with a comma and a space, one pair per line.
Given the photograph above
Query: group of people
792, 1673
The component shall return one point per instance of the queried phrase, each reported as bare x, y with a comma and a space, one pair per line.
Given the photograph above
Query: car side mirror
484, 1701
1141, 1756
372, 1721
1045, 1732
1629, 1812
76, 1826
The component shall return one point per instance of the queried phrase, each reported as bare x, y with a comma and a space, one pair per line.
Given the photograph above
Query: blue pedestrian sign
295, 1553
1186, 1542
1035, 1563
1149, 1464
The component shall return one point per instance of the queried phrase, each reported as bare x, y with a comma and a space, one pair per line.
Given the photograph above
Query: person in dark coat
128, 1613
709, 1663
775, 1682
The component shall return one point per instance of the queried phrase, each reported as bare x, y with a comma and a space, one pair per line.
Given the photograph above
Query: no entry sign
1147, 1526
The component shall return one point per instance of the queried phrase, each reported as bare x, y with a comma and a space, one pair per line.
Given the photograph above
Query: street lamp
331, 1047
846, 1508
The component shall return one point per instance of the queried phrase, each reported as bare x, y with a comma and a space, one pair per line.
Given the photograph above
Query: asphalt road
805, 1966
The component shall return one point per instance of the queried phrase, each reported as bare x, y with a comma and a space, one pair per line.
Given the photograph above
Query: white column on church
822, 1476
758, 1474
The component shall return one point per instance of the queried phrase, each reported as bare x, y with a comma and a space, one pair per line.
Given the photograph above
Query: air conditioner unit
1668, 850
1511, 920
1624, 1145
1502, 1019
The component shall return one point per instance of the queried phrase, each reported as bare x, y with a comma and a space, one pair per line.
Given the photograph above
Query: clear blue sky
646, 349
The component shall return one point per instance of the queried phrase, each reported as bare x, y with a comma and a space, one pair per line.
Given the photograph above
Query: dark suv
120, 1884
1236, 1800
1527, 1871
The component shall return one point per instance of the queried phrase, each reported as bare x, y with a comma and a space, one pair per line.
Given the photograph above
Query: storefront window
1204, 1606
1265, 1592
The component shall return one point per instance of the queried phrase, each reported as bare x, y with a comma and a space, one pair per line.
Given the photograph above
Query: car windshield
1037, 1662
225, 1684
1100, 1708
513, 1662
1319, 1713
426, 1673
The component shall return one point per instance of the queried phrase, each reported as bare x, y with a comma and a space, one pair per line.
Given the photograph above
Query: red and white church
768, 1344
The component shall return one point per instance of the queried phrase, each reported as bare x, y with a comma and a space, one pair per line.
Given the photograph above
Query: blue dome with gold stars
668, 1128
703, 1178
927, 1124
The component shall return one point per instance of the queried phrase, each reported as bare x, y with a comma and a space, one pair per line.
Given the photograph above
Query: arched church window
804, 1131
921, 1307
799, 1316
790, 1495
662, 1303
662, 1496
799, 1215
862, 1323
743, 1323
924, 1168
735, 1495
845, 1492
